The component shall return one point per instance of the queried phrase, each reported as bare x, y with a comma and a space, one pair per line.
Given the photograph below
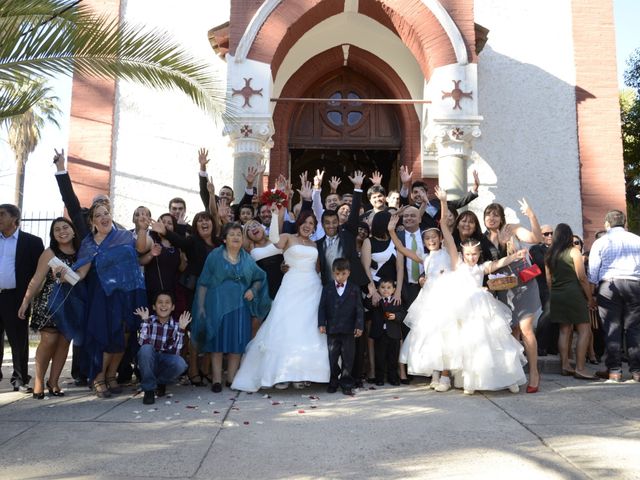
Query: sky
627, 16
40, 170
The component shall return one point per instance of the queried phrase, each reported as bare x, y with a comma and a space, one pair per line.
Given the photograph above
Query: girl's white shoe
282, 385
444, 385
435, 380
468, 392
299, 385
514, 388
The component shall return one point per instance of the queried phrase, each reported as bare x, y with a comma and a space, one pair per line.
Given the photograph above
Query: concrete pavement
570, 429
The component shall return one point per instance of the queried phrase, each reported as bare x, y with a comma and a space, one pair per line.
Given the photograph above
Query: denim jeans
158, 368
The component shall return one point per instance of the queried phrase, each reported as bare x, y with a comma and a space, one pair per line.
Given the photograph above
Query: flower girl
492, 358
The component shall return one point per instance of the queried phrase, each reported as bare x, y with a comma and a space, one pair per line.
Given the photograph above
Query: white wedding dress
289, 347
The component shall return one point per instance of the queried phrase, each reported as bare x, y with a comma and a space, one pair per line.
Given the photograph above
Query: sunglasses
547, 234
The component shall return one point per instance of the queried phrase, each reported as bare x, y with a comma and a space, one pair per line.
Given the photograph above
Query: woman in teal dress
570, 299
231, 289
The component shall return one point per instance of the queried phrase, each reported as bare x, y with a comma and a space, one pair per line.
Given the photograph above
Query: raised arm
354, 212
203, 153
529, 236
449, 242
280, 241
400, 247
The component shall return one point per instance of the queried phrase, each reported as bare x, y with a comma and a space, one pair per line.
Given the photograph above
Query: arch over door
345, 125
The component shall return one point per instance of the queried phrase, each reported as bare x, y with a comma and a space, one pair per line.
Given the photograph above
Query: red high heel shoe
535, 389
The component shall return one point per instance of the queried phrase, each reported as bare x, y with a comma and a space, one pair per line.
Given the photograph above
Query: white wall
158, 133
526, 95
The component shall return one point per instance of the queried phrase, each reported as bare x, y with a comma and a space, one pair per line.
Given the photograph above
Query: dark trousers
78, 363
619, 307
547, 331
17, 331
341, 346
387, 352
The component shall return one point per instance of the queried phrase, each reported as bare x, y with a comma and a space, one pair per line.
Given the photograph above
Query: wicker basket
502, 283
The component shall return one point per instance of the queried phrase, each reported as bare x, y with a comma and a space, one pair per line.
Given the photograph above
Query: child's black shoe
347, 391
161, 391
379, 383
149, 397
331, 389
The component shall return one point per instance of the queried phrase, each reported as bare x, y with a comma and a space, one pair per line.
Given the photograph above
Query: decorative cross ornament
457, 133
247, 92
457, 94
246, 130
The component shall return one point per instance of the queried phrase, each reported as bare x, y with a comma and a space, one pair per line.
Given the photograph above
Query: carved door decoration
345, 124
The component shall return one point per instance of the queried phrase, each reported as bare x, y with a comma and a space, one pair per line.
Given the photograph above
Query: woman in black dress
268, 257
53, 346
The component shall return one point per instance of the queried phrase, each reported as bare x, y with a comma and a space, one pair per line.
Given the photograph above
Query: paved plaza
570, 429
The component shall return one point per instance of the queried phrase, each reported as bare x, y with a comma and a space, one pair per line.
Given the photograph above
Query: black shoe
55, 393
80, 382
405, 381
358, 384
23, 389
38, 396
161, 391
371, 380
379, 383
395, 383
149, 397
216, 387
347, 391
331, 389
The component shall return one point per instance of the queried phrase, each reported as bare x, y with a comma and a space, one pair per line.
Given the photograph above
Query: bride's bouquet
269, 197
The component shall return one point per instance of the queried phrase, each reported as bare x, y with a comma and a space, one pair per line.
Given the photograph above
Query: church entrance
340, 137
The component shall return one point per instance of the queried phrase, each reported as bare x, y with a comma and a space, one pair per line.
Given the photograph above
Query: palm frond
93, 46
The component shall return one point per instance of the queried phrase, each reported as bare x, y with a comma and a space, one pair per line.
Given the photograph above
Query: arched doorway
343, 137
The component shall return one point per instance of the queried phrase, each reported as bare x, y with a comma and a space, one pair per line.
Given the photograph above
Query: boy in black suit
341, 317
386, 331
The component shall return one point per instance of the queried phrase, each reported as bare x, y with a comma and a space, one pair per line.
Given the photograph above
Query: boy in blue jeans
160, 340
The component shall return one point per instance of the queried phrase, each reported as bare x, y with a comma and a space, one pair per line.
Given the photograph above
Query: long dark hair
562, 239
53, 243
379, 224
495, 208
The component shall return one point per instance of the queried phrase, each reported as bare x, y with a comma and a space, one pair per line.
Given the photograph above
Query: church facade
523, 92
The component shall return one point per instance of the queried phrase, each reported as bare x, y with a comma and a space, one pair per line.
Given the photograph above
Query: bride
289, 347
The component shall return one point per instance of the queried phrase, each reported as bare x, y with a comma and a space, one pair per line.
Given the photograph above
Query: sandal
101, 389
196, 381
55, 393
111, 381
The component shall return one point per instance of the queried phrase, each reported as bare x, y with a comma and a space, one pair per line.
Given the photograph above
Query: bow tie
339, 285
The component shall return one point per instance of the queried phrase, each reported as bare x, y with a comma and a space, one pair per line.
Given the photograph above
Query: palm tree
24, 129
41, 38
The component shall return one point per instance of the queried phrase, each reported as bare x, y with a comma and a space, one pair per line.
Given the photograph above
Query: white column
453, 139
250, 140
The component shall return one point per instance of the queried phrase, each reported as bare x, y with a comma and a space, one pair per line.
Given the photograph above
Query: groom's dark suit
347, 234
341, 315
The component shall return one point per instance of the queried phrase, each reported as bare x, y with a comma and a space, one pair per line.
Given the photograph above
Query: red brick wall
91, 127
598, 113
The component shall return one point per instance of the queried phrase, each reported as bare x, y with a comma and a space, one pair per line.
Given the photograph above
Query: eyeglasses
547, 234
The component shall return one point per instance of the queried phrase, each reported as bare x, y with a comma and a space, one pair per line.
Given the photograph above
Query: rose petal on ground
215, 411
245, 422
275, 403
300, 411
191, 406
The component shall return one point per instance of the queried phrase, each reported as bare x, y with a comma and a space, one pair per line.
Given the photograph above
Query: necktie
415, 268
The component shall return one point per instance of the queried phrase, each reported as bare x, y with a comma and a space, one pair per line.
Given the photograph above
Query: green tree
40, 38
24, 130
630, 122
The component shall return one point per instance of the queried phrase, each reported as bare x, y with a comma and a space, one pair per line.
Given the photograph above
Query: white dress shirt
8, 246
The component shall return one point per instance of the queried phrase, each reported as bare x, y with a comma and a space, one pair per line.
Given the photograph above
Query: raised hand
525, 208
393, 222
223, 209
210, 187
158, 227
334, 183
405, 175
357, 179
185, 319
261, 167
250, 176
303, 177
317, 179
476, 181
281, 182
58, 160
505, 234
441, 194
203, 153
376, 178
142, 312
305, 190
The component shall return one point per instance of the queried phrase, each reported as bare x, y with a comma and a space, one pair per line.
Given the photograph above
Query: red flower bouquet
269, 197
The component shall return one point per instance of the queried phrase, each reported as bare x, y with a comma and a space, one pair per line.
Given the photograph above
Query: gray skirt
523, 300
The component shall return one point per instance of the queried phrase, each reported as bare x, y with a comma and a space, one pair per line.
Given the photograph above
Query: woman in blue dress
108, 265
231, 289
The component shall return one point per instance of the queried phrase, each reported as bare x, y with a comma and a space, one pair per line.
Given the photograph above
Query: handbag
527, 274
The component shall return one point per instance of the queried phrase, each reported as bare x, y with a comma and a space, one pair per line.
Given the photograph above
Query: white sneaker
444, 385
458, 381
281, 385
298, 385
468, 392
435, 380
514, 388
